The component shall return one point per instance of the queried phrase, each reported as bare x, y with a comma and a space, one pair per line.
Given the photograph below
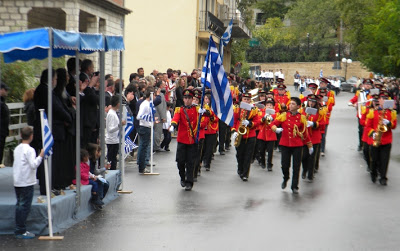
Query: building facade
174, 34
92, 16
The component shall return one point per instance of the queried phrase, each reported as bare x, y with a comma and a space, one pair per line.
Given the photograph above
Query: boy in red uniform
266, 137
187, 118
382, 140
244, 151
294, 135
211, 130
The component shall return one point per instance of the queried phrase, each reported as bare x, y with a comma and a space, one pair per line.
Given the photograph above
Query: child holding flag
24, 171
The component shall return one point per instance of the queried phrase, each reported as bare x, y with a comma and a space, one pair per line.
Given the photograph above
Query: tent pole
120, 112
102, 106
78, 135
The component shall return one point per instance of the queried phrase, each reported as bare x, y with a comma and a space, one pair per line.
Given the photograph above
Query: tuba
242, 130
380, 129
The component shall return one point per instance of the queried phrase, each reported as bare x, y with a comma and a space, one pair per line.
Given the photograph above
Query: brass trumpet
242, 130
380, 129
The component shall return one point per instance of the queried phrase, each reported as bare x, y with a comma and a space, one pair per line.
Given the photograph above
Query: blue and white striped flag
48, 137
321, 74
226, 37
129, 124
129, 146
213, 76
149, 117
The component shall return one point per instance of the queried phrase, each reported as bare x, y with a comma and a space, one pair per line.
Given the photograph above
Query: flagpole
48, 196
122, 151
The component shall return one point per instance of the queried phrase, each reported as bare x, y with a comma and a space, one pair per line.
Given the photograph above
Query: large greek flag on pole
213, 76
48, 137
226, 37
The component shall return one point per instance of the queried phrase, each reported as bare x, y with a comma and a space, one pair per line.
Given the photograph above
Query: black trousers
266, 146
166, 140
2, 144
209, 143
256, 153
185, 157
309, 161
112, 152
360, 133
367, 154
199, 154
228, 137
222, 135
244, 154
287, 154
380, 160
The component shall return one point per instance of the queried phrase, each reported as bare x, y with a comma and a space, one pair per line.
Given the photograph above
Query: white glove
171, 128
385, 121
235, 134
310, 123
374, 135
279, 130
202, 110
310, 150
245, 122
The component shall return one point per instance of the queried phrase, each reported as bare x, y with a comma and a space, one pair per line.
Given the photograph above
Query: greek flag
226, 37
321, 74
129, 124
129, 146
48, 137
149, 117
213, 76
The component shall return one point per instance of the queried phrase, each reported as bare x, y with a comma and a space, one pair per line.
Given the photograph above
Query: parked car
350, 85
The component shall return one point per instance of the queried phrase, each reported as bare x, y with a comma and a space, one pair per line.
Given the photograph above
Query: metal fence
301, 53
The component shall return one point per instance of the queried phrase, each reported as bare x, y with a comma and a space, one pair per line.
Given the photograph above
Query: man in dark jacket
4, 119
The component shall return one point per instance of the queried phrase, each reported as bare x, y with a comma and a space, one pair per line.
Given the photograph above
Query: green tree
274, 8
274, 32
379, 49
239, 48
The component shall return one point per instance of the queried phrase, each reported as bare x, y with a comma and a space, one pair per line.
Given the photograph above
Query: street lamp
346, 61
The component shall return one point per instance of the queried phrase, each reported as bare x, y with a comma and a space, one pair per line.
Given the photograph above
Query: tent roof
34, 44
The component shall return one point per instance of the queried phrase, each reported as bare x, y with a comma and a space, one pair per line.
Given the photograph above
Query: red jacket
251, 116
319, 123
284, 99
363, 119
354, 100
290, 136
185, 135
372, 122
212, 125
266, 133
85, 169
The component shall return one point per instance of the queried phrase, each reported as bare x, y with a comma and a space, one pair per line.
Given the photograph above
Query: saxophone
242, 130
380, 129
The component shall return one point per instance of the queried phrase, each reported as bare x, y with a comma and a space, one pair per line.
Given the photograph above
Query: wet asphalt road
341, 210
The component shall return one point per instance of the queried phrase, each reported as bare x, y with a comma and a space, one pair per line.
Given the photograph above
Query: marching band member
361, 96
312, 87
200, 143
187, 118
266, 137
246, 142
282, 97
261, 107
327, 106
211, 130
380, 123
367, 141
323, 84
314, 124
294, 134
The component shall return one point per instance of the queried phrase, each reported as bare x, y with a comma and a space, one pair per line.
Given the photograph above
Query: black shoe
311, 180
284, 184
183, 184
295, 191
221, 153
263, 166
167, 149
195, 179
244, 178
359, 148
383, 182
188, 187
207, 168
303, 175
227, 148
269, 168
373, 178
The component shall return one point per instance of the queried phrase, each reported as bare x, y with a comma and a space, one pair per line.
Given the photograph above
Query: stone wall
16, 15
313, 68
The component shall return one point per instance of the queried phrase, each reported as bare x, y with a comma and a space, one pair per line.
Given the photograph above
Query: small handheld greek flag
129, 146
321, 74
129, 124
48, 140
